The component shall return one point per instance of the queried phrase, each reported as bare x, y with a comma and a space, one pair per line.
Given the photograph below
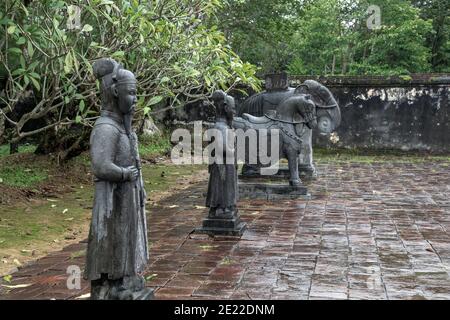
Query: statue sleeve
104, 142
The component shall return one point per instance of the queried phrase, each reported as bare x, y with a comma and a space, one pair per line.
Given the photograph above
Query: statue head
117, 88
224, 104
328, 112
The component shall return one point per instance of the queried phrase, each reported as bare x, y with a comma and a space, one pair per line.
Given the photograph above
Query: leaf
26, 79
87, 28
21, 41
78, 119
15, 50
22, 61
11, 29
18, 72
164, 79
81, 106
17, 286
118, 54
68, 66
30, 49
36, 84
35, 75
151, 276
8, 278
83, 296
155, 100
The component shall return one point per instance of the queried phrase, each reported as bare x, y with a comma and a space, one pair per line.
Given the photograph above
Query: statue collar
112, 115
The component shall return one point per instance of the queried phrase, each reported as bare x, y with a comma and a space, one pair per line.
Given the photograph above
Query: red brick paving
370, 231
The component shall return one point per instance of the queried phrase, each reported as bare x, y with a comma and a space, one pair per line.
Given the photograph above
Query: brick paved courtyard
376, 230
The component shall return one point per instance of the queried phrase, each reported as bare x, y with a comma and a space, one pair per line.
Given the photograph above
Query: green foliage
176, 57
399, 45
20, 176
438, 40
320, 37
24, 148
259, 31
156, 145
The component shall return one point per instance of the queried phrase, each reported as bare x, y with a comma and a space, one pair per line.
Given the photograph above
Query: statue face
126, 97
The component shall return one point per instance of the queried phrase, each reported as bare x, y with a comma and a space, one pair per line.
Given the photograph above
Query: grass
29, 229
22, 176
25, 148
155, 146
26, 226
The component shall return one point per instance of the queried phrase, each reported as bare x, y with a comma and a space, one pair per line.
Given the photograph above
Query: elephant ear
327, 108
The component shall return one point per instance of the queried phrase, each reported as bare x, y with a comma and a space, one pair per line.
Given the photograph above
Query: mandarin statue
117, 252
223, 192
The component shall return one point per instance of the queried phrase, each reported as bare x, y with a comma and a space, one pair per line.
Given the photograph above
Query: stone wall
404, 113
409, 113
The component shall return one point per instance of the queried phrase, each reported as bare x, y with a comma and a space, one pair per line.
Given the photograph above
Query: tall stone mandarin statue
117, 251
223, 191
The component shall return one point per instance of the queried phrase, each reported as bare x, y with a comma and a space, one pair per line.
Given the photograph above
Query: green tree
332, 36
176, 56
260, 31
439, 39
398, 46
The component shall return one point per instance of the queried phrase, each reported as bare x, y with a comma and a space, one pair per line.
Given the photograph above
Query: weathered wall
407, 114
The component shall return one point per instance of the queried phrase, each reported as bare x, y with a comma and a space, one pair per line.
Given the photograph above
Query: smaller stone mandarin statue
223, 191
117, 251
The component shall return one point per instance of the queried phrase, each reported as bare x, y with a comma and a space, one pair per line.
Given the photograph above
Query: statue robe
223, 178
117, 243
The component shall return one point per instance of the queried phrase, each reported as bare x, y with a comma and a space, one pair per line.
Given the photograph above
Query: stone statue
291, 118
223, 191
117, 250
277, 90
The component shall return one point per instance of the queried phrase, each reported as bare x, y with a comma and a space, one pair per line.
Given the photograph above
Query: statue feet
223, 213
295, 182
127, 288
307, 171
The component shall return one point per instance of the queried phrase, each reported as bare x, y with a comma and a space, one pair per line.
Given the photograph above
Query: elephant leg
294, 179
306, 165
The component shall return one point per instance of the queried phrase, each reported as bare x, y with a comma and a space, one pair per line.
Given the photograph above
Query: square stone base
305, 172
269, 190
223, 227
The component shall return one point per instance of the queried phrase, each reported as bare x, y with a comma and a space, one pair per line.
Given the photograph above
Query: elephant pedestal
271, 190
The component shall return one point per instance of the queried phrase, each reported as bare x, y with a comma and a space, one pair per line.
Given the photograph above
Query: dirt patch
56, 179
55, 213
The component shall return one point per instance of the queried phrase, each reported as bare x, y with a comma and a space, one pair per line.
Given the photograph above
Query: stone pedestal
225, 226
271, 190
253, 171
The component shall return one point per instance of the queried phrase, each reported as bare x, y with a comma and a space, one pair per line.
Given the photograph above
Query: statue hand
130, 173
